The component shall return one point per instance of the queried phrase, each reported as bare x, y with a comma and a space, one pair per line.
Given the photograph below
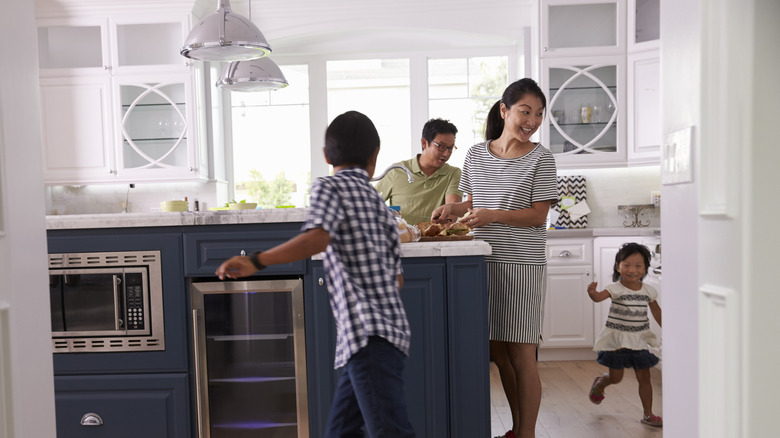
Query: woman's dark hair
626, 251
434, 127
351, 138
494, 125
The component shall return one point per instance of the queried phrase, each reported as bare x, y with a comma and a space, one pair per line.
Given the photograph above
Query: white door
26, 374
720, 258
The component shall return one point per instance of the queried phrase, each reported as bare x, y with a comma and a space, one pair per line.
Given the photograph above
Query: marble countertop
221, 217
168, 219
601, 232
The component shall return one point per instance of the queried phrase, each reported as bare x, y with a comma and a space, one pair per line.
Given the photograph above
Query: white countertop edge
602, 232
439, 249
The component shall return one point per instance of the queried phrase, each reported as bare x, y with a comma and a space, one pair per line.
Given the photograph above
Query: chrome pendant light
256, 75
225, 36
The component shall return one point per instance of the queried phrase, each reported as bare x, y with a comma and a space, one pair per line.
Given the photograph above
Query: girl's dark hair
626, 251
351, 138
515, 91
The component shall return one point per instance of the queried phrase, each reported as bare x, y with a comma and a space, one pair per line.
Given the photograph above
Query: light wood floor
566, 411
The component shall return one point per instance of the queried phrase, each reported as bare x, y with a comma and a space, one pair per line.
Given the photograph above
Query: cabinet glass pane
154, 126
583, 104
251, 364
593, 25
70, 47
149, 44
648, 20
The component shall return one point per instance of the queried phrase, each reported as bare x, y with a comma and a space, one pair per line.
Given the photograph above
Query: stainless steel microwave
106, 301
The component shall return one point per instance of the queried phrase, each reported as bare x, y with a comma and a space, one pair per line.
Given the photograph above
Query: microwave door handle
118, 295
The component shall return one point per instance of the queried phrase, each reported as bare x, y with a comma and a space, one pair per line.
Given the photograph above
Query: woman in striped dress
510, 183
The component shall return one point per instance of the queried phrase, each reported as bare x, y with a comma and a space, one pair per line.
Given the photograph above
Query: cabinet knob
545, 49
111, 171
243, 253
91, 419
565, 253
320, 281
106, 67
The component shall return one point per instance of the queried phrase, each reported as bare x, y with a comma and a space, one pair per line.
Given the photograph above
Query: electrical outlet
655, 198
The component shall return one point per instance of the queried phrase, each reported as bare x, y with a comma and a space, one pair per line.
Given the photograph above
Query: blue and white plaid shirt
362, 261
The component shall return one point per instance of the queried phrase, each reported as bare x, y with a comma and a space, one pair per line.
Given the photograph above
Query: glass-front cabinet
154, 126
644, 24
574, 27
585, 124
117, 99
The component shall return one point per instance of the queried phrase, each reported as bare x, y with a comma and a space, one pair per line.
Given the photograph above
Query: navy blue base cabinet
446, 379
149, 394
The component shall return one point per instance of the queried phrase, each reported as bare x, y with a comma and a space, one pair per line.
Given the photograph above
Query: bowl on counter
174, 205
242, 205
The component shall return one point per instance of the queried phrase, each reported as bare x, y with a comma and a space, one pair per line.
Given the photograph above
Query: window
378, 88
271, 143
463, 90
276, 143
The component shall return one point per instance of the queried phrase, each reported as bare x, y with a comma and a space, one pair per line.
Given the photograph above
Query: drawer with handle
562, 252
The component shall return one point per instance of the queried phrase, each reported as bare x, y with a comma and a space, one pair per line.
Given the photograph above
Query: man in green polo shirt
435, 181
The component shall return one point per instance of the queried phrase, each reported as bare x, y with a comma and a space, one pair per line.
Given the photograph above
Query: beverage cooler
250, 359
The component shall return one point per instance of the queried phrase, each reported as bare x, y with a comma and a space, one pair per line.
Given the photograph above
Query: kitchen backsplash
143, 198
606, 188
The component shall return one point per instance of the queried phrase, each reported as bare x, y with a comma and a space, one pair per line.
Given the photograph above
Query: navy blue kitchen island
446, 377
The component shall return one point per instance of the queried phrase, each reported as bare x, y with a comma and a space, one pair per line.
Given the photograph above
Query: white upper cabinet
644, 107
644, 25
601, 77
117, 99
579, 27
585, 125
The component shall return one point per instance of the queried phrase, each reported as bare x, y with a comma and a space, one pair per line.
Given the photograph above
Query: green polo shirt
425, 194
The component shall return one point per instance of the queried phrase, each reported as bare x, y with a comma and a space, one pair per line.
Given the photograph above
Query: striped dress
517, 267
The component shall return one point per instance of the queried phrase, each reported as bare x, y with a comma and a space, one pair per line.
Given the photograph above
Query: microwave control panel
134, 301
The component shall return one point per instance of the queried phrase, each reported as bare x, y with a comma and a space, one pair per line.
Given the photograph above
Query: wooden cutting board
444, 238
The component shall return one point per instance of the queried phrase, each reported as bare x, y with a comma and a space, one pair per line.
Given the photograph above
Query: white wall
680, 107
26, 372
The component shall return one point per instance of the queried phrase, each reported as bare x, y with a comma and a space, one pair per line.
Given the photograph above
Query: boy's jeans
371, 391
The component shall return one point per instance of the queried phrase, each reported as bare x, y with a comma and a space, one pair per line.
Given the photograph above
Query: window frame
418, 89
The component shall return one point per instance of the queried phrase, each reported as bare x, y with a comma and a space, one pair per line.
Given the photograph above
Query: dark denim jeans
371, 392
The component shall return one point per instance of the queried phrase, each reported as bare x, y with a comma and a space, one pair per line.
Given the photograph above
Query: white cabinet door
586, 123
76, 130
644, 107
575, 27
568, 310
644, 25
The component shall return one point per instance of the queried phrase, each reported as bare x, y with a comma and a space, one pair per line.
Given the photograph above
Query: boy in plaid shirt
351, 223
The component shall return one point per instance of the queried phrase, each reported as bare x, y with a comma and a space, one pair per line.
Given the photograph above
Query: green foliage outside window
269, 194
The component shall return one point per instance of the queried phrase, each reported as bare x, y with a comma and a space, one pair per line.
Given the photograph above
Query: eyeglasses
444, 148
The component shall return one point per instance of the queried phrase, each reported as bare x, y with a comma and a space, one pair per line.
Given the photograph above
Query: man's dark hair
351, 138
437, 126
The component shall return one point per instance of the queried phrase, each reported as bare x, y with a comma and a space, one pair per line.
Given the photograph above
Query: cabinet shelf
555, 90
583, 124
160, 139
153, 105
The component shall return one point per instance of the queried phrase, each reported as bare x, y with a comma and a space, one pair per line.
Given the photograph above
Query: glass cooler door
250, 362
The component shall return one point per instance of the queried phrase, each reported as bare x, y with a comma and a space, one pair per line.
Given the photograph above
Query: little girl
623, 342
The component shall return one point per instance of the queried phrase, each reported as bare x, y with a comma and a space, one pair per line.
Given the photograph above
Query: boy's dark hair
351, 138
437, 126
515, 91
629, 249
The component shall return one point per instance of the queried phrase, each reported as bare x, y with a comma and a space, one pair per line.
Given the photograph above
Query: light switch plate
677, 165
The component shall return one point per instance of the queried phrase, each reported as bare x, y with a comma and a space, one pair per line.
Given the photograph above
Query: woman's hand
478, 217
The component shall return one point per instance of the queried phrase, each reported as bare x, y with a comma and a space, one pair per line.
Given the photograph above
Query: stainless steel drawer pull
320, 281
565, 253
91, 419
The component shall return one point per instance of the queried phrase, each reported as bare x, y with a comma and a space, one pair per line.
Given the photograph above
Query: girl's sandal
653, 420
595, 398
